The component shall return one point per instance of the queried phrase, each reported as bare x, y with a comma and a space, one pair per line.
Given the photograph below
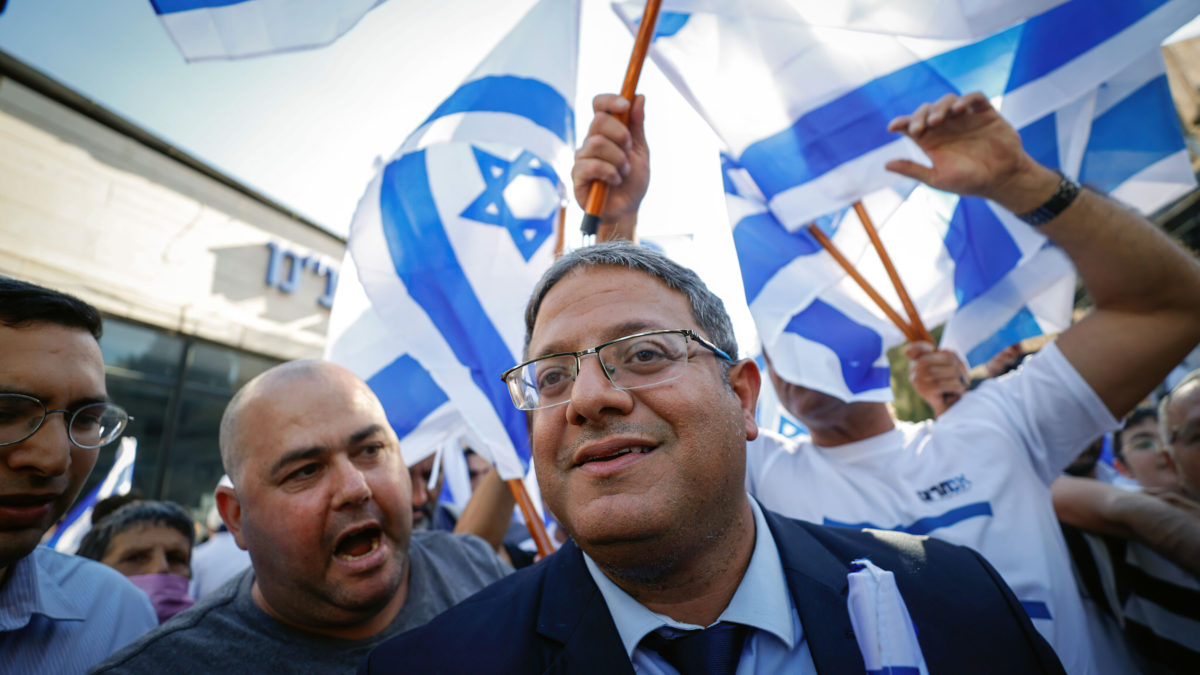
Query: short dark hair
96, 542
707, 309
1134, 418
23, 304
110, 505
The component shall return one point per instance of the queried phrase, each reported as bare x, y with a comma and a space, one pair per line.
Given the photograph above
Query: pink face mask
168, 593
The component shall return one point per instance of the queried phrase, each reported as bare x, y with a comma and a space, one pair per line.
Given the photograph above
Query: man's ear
231, 512
745, 381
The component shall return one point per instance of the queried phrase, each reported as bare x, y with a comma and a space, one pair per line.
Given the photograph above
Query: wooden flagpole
560, 243
914, 318
846, 265
598, 192
537, 529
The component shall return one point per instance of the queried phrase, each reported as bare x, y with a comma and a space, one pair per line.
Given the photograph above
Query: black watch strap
1058, 202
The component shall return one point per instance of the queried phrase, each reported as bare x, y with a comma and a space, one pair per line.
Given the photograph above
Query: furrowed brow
364, 433
298, 455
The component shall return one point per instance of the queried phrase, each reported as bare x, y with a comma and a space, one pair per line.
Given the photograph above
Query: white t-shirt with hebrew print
978, 476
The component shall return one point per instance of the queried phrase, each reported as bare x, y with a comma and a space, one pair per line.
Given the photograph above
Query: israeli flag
232, 29
804, 108
992, 278
458, 226
882, 625
359, 339
78, 521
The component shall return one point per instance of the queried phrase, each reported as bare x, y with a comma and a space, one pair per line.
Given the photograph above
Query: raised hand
615, 154
938, 375
974, 151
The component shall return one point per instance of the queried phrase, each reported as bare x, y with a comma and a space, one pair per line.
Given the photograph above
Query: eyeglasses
631, 362
90, 426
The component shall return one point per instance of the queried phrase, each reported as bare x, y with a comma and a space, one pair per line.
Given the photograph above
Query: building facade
203, 283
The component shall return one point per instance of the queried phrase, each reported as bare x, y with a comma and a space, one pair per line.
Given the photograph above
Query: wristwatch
1064, 194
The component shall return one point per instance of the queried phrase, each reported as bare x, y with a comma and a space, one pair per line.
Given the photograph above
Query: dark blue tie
714, 650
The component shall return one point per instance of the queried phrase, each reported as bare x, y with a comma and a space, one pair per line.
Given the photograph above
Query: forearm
489, 511
1105, 509
623, 227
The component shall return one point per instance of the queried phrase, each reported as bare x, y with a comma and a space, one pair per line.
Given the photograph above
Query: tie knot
699, 652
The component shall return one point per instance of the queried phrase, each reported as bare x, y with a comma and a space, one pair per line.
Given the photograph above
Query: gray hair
707, 308
1192, 378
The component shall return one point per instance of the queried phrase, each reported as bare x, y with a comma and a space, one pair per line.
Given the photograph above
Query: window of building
176, 388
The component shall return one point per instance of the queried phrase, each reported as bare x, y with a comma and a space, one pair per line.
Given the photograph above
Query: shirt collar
762, 599
32, 588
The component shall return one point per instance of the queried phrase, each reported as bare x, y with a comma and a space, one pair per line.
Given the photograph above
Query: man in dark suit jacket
639, 417
551, 618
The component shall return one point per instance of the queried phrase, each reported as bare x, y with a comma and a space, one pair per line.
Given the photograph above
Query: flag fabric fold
456, 228
118, 481
804, 123
233, 29
882, 626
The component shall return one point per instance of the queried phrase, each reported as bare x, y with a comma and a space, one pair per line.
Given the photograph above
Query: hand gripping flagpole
598, 192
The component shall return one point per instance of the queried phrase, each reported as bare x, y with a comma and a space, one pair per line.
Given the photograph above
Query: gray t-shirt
226, 632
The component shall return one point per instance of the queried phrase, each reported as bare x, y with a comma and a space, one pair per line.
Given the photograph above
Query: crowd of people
696, 542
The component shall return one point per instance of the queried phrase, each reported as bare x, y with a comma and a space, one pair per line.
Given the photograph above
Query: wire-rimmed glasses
630, 362
89, 426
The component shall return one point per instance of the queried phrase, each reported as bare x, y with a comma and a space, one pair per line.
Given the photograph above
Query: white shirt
762, 600
979, 476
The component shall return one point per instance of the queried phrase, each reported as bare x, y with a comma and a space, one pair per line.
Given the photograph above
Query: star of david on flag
452, 234
521, 195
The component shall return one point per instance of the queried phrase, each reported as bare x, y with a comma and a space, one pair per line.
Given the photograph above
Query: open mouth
359, 544
640, 450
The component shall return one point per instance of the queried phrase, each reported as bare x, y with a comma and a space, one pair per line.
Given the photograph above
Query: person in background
1138, 452
1136, 554
106, 506
425, 493
58, 613
218, 559
1179, 418
321, 500
150, 542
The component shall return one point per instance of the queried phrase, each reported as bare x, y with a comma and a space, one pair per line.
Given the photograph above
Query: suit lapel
817, 581
574, 615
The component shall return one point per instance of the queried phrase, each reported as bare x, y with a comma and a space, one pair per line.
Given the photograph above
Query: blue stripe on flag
1052, 39
407, 392
670, 23
1036, 610
524, 97
981, 247
172, 6
1113, 154
857, 346
427, 264
927, 525
764, 247
1022, 325
1040, 139
855, 123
